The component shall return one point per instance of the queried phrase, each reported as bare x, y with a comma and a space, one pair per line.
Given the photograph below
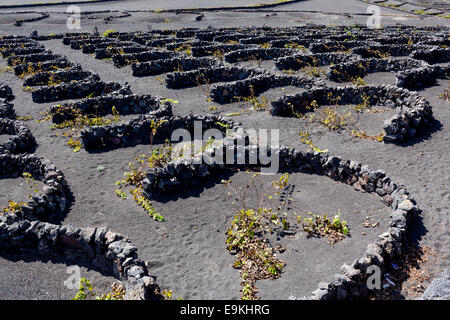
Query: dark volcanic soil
188, 253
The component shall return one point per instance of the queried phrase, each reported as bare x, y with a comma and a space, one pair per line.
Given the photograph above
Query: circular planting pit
187, 174
47, 204
415, 111
21, 139
22, 227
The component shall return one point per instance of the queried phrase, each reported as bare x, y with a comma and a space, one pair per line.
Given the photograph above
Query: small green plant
232, 42
232, 114
74, 143
12, 207
282, 182
26, 118
351, 37
255, 103
32, 185
313, 72
360, 134
254, 257
27, 89
358, 81
421, 12
306, 139
378, 53
219, 54
330, 117
223, 125
108, 32
121, 193
296, 46
253, 254
186, 48
158, 157
170, 100
79, 122
335, 229
86, 292
167, 294
363, 105
446, 95
160, 79
146, 204
289, 71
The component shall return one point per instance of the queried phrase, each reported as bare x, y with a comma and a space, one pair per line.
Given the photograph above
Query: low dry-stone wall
101, 106
361, 67
22, 139
418, 78
432, 55
326, 45
256, 53
77, 44
42, 16
352, 283
65, 75
31, 58
292, 48
121, 60
12, 40
110, 44
150, 41
233, 91
6, 92
298, 61
91, 86
181, 44
106, 250
415, 111
139, 130
208, 50
60, 62
22, 51
289, 41
69, 37
46, 37
106, 53
157, 67
374, 51
180, 80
